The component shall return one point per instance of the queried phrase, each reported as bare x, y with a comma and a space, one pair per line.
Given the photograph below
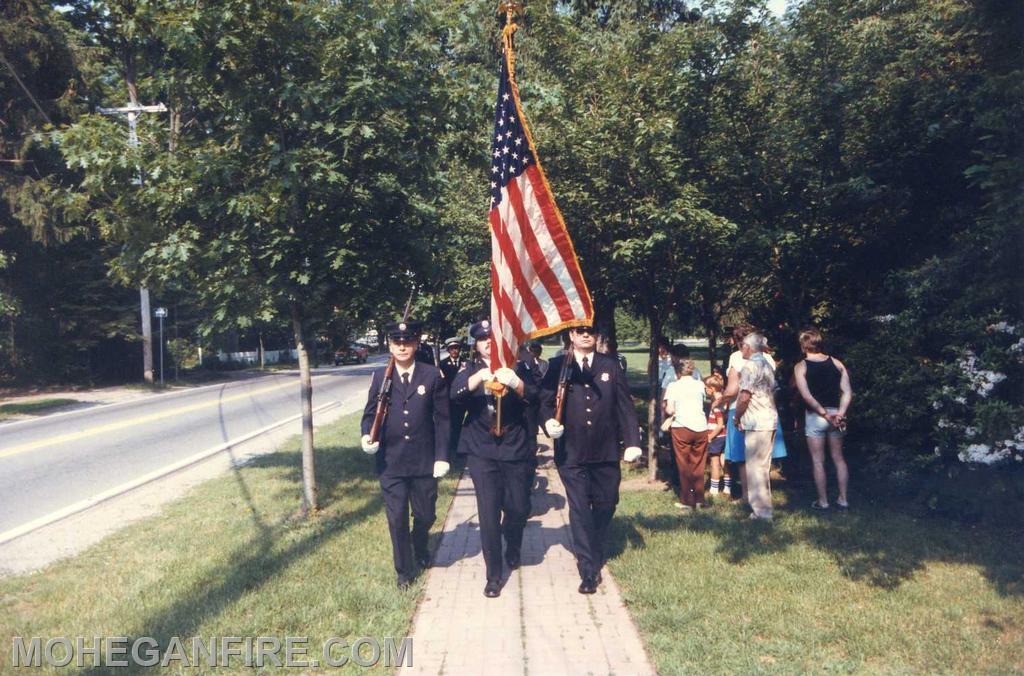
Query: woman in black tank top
824, 384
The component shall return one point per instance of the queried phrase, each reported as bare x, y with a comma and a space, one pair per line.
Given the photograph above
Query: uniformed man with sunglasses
598, 421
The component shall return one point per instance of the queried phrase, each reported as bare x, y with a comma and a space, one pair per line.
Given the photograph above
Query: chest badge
605, 377
421, 390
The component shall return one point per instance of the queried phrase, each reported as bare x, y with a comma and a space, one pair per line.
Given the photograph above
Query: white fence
269, 356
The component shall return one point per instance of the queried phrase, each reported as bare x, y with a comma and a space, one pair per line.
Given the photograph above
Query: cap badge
402, 327
486, 324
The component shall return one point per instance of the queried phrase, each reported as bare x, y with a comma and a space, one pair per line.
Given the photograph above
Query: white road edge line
327, 370
93, 500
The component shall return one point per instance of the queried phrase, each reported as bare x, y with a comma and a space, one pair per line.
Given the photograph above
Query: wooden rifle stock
563, 385
383, 401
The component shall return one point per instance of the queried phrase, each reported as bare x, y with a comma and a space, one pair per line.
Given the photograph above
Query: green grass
37, 407
869, 591
875, 590
232, 559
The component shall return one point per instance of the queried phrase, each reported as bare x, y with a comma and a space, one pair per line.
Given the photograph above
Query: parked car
353, 353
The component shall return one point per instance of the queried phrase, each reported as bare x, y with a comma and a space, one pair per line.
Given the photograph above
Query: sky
777, 6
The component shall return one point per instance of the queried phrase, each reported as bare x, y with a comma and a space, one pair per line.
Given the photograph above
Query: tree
299, 186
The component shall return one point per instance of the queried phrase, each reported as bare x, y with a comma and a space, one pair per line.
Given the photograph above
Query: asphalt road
49, 463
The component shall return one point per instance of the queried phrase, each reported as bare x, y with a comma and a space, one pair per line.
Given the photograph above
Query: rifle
563, 385
384, 395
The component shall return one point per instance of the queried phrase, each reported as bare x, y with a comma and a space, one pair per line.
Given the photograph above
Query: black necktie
405, 379
586, 365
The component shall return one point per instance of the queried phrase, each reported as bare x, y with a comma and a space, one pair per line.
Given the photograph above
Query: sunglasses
584, 329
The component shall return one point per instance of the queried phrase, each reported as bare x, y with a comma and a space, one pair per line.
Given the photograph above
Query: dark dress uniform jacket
477, 439
416, 428
598, 414
450, 368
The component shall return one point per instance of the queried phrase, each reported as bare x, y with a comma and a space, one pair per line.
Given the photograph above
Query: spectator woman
824, 384
684, 407
735, 448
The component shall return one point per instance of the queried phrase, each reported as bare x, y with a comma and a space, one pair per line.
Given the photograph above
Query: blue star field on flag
510, 151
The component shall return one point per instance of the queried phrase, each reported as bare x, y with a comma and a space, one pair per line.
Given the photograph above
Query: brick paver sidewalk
540, 624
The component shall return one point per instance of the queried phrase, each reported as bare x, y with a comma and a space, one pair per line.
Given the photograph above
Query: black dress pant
592, 492
419, 492
457, 415
501, 487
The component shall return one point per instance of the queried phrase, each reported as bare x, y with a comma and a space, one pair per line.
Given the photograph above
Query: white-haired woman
757, 417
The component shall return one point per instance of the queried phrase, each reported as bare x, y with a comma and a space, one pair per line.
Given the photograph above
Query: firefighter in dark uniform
453, 363
598, 418
502, 466
412, 447
450, 367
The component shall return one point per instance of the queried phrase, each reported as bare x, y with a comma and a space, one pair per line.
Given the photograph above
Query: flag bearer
500, 461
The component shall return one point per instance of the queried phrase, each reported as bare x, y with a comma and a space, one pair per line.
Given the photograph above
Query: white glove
482, 376
440, 468
554, 428
508, 378
632, 454
367, 446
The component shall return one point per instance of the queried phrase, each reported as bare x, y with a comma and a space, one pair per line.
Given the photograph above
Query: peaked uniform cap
407, 330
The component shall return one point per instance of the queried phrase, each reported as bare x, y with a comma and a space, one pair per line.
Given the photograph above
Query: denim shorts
817, 426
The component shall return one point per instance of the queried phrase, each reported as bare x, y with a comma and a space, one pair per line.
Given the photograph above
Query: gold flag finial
510, 8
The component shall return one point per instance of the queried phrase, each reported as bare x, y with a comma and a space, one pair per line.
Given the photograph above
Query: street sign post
161, 312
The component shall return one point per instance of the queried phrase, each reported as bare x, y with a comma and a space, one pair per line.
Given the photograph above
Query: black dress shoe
588, 586
492, 589
423, 562
599, 579
513, 561
404, 583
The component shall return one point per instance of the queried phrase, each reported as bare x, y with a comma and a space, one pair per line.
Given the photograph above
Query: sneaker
842, 505
818, 506
755, 517
683, 507
713, 491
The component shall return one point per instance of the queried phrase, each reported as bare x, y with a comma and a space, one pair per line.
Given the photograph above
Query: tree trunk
263, 353
147, 336
306, 385
711, 324
604, 317
653, 402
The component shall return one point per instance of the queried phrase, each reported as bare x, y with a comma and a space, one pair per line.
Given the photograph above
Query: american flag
537, 287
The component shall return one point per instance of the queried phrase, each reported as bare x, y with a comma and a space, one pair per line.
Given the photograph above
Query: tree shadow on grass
871, 544
256, 562
884, 550
738, 540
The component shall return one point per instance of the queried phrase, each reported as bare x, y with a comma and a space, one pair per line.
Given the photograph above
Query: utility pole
132, 112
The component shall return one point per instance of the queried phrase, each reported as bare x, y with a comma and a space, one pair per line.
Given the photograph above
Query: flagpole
510, 8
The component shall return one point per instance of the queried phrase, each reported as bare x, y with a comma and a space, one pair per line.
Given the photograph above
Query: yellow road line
111, 427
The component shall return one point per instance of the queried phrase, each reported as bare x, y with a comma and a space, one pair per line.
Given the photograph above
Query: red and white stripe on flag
537, 287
